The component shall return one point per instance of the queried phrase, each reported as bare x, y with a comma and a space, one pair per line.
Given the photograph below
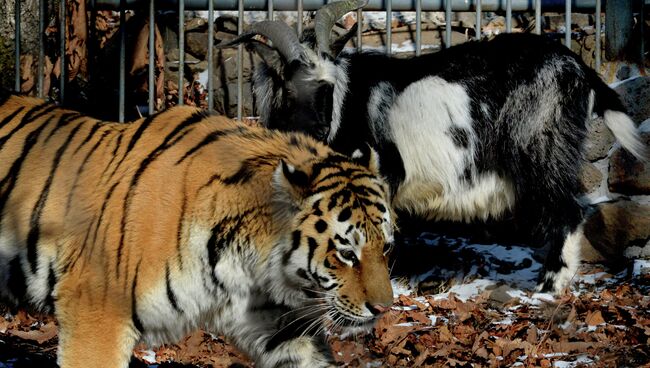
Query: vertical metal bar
478, 20
92, 50
509, 16
152, 52
270, 15
122, 80
359, 29
598, 34
641, 21
418, 27
567, 24
181, 51
389, 26
62, 76
538, 16
618, 29
447, 23
299, 24
240, 60
41, 47
17, 44
210, 56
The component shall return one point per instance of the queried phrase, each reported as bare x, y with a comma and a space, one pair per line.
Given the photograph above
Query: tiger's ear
290, 184
368, 157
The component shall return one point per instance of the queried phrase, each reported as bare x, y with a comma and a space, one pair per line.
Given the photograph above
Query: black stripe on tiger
51, 283
313, 244
81, 169
325, 188
332, 161
343, 194
181, 218
90, 135
118, 144
346, 174
9, 181
100, 219
166, 143
137, 323
80, 250
16, 281
296, 236
27, 118
11, 116
170, 293
210, 138
223, 234
64, 120
134, 139
34, 230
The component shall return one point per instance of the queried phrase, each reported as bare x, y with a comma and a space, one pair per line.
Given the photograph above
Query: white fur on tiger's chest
437, 145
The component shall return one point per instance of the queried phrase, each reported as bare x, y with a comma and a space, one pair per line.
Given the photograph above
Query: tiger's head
341, 227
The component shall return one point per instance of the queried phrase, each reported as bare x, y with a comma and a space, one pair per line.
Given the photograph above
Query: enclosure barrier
389, 6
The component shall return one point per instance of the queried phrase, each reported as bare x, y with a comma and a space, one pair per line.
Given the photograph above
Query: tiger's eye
349, 255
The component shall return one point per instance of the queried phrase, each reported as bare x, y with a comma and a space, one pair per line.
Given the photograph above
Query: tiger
145, 231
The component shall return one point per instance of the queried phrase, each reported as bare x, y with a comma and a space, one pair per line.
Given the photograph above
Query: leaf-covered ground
477, 310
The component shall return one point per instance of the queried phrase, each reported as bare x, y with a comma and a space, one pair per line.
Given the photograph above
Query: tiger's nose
377, 309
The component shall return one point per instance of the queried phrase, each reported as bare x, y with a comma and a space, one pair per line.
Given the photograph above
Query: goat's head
294, 86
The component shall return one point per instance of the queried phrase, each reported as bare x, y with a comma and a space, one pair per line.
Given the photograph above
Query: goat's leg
561, 232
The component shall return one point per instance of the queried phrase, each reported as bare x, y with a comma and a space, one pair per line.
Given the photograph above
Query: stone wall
618, 184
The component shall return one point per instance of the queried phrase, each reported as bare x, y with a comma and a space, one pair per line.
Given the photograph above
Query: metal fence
389, 6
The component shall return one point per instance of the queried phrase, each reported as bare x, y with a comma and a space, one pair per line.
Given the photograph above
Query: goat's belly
431, 124
488, 196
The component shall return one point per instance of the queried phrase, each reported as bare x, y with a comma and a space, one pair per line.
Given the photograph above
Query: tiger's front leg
275, 337
93, 331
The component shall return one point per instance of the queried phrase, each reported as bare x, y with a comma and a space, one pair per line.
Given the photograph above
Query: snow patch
580, 361
641, 267
149, 356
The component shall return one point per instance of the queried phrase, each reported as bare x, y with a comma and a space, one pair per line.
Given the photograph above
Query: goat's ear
339, 44
269, 55
368, 157
290, 184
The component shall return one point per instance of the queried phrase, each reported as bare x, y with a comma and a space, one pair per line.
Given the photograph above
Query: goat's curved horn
283, 37
327, 16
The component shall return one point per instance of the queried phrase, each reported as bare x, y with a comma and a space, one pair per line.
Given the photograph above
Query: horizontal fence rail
389, 6
396, 5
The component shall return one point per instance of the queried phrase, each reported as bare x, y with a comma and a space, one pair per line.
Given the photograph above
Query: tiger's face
341, 235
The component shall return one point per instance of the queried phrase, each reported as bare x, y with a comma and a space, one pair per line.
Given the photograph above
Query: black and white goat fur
472, 132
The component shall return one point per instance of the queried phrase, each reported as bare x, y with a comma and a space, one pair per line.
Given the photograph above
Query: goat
469, 133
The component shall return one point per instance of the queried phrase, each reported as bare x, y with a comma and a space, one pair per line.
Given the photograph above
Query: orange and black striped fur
148, 230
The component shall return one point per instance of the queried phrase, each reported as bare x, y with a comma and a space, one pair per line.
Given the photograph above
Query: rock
499, 296
226, 23
466, 19
556, 21
627, 174
196, 43
197, 24
635, 94
612, 227
590, 177
225, 100
223, 37
174, 54
599, 140
198, 67
495, 26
